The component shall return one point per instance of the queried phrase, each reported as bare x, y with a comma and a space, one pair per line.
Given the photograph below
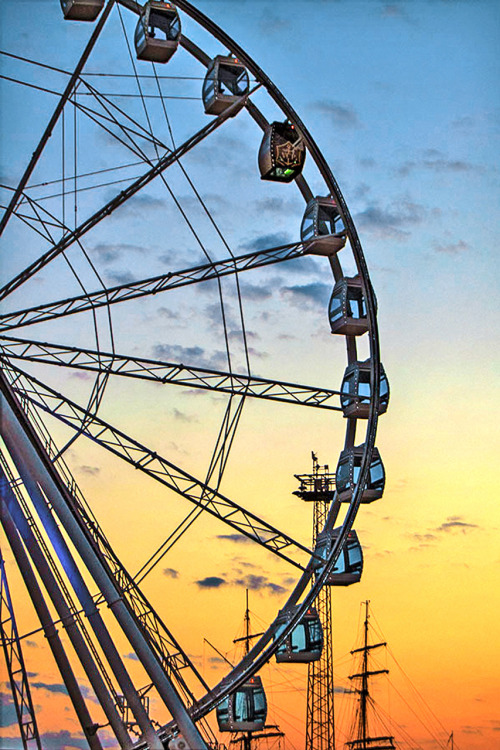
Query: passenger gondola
355, 395
282, 153
226, 82
322, 227
347, 309
81, 10
348, 472
349, 564
245, 710
305, 642
157, 32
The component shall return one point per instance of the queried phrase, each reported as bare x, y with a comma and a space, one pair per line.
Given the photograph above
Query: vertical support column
50, 631
16, 524
37, 472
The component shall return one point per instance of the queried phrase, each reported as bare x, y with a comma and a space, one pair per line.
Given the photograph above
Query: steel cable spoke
162, 164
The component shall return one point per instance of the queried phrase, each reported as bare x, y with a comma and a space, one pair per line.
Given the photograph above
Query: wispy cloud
456, 523
266, 241
310, 296
51, 687
259, 583
453, 248
211, 582
342, 115
170, 572
91, 471
62, 739
237, 538
195, 356
8, 715
394, 220
108, 252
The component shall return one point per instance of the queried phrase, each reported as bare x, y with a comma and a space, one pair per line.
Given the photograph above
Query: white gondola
349, 564
355, 395
348, 472
322, 227
226, 82
245, 710
158, 32
81, 10
305, 643
347, 309
282, 153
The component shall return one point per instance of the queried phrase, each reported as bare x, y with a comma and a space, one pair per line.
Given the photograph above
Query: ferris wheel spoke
55, 116
157, 169
168, 373
159, 468
153, 285
167, 648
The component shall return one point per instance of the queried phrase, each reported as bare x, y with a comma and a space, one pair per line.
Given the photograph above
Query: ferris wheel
155, 226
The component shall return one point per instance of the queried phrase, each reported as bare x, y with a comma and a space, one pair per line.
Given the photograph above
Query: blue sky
403, 100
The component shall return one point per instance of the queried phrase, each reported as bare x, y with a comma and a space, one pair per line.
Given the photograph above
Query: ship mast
249, 740
363, 740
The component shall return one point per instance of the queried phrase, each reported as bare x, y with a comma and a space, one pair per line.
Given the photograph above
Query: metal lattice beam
168, 372
152, 285
160, 166
159, 468
55, 116
16, 668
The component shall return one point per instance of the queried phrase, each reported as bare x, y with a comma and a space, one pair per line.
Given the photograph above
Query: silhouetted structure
319, 488
363, 739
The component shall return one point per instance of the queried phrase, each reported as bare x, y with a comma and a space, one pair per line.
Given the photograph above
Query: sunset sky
402, 99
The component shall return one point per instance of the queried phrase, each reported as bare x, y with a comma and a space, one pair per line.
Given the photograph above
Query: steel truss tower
18, 676
319, 488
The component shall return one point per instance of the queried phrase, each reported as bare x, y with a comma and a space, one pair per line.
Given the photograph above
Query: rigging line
382, 713
33, 218
419, 695
97, 390
56, 113
87, 93
30, 85
165, 162
100, 98
134, 148
195, 234
35, 62
157, 467
27, 219
192, 516
81, 176
422, 699
214, 224
215, 458
63, 166
37, 211
86, 189
145, 75
150, 96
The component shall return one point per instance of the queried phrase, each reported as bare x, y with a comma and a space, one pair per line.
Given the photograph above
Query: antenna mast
248, 740
319, 488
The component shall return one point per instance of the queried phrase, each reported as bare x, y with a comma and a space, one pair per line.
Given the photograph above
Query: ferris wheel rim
261, 653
